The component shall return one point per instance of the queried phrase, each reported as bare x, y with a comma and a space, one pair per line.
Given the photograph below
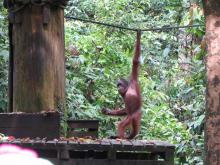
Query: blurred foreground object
12, 154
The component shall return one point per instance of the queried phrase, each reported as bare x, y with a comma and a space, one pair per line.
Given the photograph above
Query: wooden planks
83, 123
83, 128
99, 144
105, 151
32, 125
115, 162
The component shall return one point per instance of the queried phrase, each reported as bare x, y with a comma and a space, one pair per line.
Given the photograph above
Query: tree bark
212, 129
38, 59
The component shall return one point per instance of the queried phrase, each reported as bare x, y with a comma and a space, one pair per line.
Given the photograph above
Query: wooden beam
38, 59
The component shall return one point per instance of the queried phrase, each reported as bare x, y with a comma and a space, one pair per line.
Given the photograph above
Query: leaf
200, 120
166, 52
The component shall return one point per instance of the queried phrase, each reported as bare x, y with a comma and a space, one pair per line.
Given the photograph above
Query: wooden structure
83, 128
105, 151
30, 125
37, 62
36, 68
212, 134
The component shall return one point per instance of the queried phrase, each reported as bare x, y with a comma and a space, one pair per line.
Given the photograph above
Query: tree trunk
212, 129
38, 59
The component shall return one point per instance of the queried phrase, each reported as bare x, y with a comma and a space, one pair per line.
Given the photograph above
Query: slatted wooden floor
101, 151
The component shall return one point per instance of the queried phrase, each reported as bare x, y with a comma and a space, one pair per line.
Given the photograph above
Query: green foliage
173, 98
3, 60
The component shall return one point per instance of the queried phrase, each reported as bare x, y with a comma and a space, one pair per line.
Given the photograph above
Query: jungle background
172, 73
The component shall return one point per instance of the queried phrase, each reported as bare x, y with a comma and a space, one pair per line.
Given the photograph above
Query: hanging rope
132, 29
17, 5
101, 23
172, 27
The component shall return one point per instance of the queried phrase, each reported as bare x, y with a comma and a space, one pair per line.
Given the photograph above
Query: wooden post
212, 133
38, 55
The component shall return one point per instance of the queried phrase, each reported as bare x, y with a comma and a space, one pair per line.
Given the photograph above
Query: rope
101, 23
132, 29
18, 5
172, 27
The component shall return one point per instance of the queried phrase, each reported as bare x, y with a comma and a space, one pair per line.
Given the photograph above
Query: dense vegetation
172, 74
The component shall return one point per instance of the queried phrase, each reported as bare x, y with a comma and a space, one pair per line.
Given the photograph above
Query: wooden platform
83, 128
106, 152
21, 125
